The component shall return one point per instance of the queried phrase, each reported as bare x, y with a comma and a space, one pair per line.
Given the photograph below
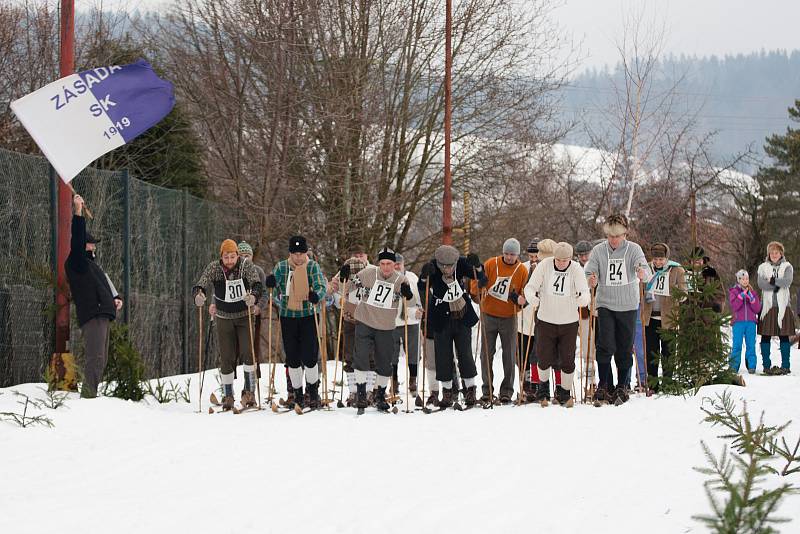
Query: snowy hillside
125, 467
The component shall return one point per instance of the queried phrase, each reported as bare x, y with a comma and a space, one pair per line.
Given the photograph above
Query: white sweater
412, 304
557, 294
525, 317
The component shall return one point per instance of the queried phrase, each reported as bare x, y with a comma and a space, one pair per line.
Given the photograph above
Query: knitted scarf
298, 293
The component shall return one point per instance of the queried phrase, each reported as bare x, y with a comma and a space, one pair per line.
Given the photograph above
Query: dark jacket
438, 311
88, 284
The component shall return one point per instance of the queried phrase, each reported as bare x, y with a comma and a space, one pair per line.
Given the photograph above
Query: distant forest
744, 98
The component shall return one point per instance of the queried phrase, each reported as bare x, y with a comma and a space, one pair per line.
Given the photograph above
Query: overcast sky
697, 27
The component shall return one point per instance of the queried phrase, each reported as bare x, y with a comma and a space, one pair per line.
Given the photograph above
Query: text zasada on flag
77, 119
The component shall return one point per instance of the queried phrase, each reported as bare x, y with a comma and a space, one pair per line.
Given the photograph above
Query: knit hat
659, 250
546, 248
356, 248
446, 255
399, 257
511, 246
387, 254
776, 245
562, 251
533, 246
229, 245
298, 243
615, 224
583, 247
245, 248
741, 273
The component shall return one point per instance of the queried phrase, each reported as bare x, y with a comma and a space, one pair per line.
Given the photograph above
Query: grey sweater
625, 295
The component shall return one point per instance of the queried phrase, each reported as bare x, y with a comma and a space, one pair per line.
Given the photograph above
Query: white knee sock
370, 380
362, 377
431, 375
382, 381
566, 380
296, 377
447, 384
312, 374
469, 382
351, 382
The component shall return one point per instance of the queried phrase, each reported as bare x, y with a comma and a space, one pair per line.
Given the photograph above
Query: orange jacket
494, 268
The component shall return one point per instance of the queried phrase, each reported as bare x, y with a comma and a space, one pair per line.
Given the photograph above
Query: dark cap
298, 243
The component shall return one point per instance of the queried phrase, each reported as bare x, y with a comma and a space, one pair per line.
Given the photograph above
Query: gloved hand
344, 272
199, 299
772, 281
250, 299
513, 296
649, 296
474, 261
427, 270
313, 298
270, 282
483, 281
405, 290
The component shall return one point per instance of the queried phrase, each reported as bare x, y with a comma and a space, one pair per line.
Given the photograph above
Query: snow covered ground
125, 467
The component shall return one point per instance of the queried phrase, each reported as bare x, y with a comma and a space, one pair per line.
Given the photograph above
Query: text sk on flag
77, 119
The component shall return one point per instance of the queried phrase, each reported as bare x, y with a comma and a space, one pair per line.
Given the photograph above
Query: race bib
234, 290
500, 289
616, 274
661, 285
453, 293
558, 283
381, 294
354, 297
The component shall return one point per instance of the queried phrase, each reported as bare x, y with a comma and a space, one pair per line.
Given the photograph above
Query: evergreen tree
700, 347
780, 184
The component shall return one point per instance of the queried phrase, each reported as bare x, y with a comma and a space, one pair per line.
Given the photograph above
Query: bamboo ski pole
323, 377
253, 352
592, 326
269, 350
200, 358
529, 339
425, 341
642, 376
408, 363
339, 345
486, 355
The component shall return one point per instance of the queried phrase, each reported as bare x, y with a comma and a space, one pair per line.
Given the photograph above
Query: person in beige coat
657, 311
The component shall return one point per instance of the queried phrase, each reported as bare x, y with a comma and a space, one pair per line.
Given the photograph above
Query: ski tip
297, 409
274, 407
213, 398
394, 409
210, 409
339, 404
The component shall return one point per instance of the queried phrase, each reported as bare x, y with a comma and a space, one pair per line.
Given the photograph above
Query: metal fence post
126, 245
53, 237
185, 284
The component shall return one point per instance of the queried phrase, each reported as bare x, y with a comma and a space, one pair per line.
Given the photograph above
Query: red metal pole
447, 200
66, 67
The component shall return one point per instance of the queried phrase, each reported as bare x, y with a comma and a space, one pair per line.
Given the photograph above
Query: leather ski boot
380, 399
470, 396
433, 399
313, 395
564, 398
447, 398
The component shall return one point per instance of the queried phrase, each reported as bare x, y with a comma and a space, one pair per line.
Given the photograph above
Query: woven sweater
617, 286
495, 268
557, 293
370, 311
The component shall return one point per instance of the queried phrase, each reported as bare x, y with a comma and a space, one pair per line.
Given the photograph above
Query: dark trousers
373, 341
299, 341
454, 333
348, 347
95, 338
658, 349
233, 338
614, 338
555, 345
527, 346
412, 351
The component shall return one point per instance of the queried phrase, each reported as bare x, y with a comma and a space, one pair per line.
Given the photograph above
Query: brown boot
412, 385
469, 396
433, 399
248, 399
227, 403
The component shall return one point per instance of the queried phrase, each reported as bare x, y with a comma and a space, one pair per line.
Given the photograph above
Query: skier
506, 279
246, 253
558, 288
96, 299
525, 328
774, 279
582, 251
613, 268
298, 286
236, 288
451, 317
380, 288
657, 310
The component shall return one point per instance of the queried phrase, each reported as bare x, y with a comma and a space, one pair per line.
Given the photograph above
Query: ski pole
269, 350
592, 327
200, 358
253, 352
339, 343
642, 377
425, 341
486, 354
529, 341
405, 347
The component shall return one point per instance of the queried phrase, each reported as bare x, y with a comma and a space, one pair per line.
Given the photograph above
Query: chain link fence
154, 244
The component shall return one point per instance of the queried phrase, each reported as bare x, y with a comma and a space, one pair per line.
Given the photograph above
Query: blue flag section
77, 119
